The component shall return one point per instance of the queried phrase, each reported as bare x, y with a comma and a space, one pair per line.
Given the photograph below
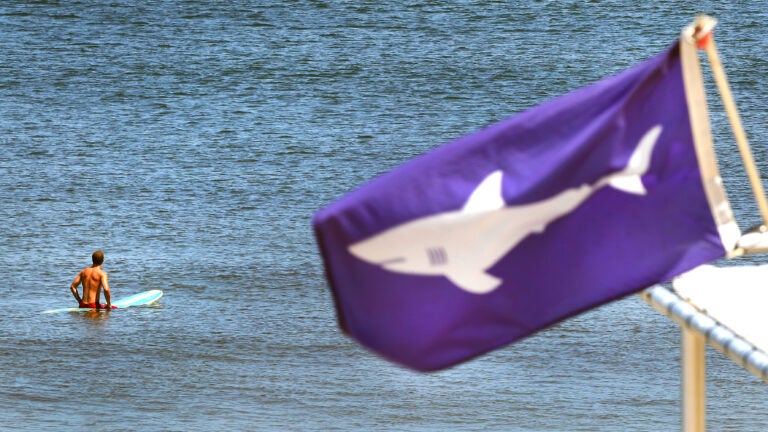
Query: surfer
94, 279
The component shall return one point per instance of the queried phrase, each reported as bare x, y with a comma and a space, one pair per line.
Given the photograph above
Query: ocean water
193, 140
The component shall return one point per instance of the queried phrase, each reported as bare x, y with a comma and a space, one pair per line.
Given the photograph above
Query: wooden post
693, 380
705, 40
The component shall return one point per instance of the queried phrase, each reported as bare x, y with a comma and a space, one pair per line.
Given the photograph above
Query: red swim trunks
95, 306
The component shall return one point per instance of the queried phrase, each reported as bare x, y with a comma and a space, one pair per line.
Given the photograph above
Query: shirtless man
93, 279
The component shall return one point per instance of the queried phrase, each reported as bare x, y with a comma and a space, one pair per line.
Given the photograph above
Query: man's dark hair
97, 257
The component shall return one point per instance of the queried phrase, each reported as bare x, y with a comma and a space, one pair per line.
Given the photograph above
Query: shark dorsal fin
486, 196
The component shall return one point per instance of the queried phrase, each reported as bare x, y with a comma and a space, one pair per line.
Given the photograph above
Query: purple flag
499, 234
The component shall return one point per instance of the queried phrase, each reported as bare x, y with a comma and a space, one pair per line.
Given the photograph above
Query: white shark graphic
463, 244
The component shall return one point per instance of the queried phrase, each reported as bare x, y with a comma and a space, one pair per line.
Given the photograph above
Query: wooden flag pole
705, 40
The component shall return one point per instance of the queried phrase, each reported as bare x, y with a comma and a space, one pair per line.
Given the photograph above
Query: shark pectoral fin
476, 282
630, 184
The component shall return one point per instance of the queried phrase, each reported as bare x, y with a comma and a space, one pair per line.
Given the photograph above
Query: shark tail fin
630, 179
630, 184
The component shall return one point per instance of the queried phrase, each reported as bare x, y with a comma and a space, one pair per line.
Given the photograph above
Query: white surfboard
143, 298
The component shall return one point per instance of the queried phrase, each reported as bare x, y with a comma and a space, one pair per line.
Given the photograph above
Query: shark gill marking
437, 256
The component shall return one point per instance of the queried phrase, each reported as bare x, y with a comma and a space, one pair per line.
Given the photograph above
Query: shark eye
437, 256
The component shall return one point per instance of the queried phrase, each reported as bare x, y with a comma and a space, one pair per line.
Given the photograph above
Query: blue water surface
193, 140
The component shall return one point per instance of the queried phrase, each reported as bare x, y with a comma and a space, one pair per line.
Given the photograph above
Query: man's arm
74, 286
107, 293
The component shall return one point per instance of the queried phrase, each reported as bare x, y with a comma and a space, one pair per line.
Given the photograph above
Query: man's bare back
93, 279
